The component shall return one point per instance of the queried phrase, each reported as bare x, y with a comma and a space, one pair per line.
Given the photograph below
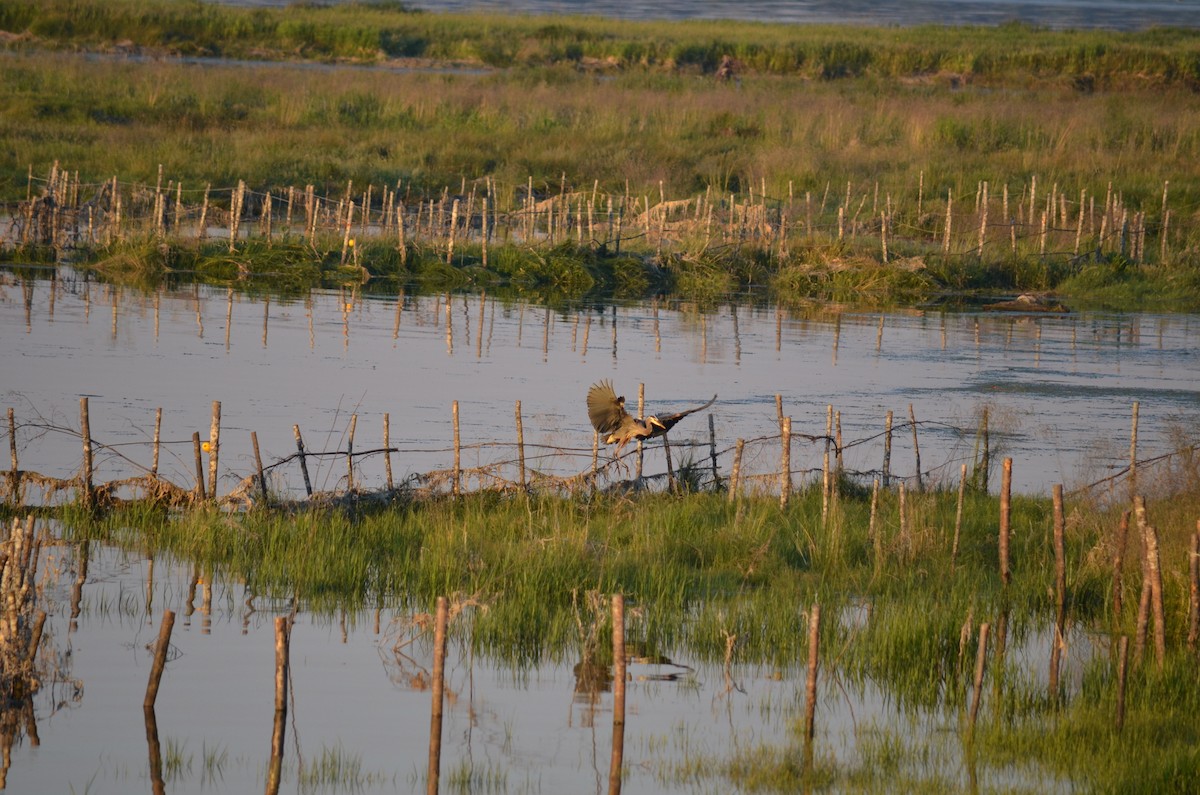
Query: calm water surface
1115, 14
1059, 389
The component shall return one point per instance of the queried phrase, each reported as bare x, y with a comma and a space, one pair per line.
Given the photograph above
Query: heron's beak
653, 421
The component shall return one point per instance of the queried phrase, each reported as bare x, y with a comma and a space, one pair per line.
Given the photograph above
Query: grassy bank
902, 611
861, 145
374, 32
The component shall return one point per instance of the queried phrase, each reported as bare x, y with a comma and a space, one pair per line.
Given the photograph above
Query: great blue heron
617, 426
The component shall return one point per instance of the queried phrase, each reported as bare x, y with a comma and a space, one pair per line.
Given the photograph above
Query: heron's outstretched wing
667, 422
605, 409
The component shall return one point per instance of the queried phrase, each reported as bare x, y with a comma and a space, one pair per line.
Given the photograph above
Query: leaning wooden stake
980, 663
1005, 520
303, 463
958, 515
160, 658
262, 477
435, 719
618, 743
1154, 573
1194, 590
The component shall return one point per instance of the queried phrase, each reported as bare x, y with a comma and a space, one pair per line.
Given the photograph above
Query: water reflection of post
618, 739
435, 718
82, 553
614, 332
282, 639
158, 786
810, 706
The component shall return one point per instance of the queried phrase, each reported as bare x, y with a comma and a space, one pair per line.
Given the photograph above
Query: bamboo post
1122, 677
1060, 588
980, 664
520, 445
902, 510
197, 451
282, 665
303, 462
86, 433
262, 477
160, 658
456, 485
736, 473
387, 448
214, 444
814, 659
350, 453
619, 676
958, 516
785, 464
1005, 520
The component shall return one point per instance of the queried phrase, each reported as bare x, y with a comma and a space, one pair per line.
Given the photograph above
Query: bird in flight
617, 426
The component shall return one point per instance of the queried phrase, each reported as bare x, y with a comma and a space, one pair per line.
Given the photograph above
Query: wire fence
764, 465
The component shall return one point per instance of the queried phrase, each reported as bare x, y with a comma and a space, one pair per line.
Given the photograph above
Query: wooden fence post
1005, 520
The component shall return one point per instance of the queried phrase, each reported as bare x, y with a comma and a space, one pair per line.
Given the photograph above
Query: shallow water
1116, 14
1059, 389
358, 717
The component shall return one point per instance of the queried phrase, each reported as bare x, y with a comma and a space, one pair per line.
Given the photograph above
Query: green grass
697, 569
